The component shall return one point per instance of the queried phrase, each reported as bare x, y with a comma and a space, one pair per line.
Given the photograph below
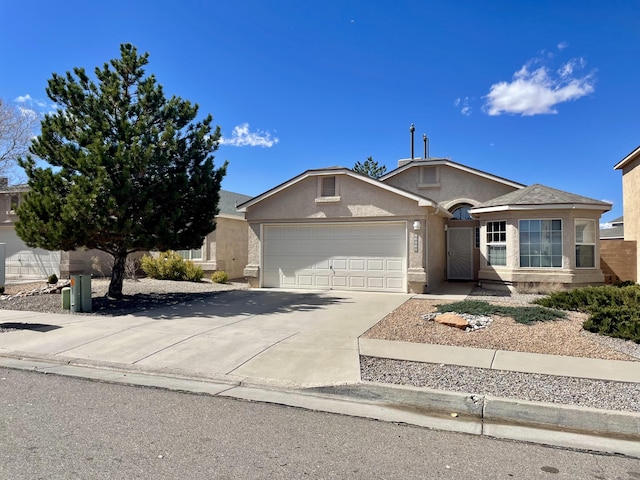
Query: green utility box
81, 293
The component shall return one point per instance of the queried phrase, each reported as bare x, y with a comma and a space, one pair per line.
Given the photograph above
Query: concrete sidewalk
302, 349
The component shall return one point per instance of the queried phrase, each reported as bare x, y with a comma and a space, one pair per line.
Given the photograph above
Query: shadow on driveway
243, 303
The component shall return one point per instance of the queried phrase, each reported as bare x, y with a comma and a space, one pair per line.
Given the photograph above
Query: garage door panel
362, 257
24, 261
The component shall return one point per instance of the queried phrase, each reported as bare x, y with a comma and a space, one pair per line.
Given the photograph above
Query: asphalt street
57, 427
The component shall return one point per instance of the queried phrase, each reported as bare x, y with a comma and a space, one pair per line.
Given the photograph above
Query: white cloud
36, 105
242, 137
606, 226
464, 105
562, 45
536, 90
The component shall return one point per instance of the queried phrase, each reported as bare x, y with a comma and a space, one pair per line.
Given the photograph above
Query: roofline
628, 159
547, 206
450, 163
422, 201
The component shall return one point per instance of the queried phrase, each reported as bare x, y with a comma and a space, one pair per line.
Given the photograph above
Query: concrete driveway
278, 337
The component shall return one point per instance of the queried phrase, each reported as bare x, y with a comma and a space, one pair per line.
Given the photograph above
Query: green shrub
1, 289
219, 276
614, 310
586, 299
52, 279
171, 266
524, 315
620, 321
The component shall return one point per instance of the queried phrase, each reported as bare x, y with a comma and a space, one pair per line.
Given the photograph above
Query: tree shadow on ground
217, 304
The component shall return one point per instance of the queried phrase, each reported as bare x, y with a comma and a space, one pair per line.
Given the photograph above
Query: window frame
496, 245
583, 243
189, 254
553, 257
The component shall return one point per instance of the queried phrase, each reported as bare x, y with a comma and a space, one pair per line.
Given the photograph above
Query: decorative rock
452, 320
474, 322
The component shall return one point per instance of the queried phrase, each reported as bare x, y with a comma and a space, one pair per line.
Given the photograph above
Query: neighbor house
223, 249
429, 221
630, 166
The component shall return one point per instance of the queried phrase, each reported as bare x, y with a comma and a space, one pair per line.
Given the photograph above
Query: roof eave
628, 159
548, 206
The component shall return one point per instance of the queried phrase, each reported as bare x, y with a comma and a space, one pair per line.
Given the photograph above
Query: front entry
460, 253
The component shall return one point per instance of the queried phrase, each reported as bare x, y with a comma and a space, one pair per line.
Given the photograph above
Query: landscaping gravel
139, 295
523, 386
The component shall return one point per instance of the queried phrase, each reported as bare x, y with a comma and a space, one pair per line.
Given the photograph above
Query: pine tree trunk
117, 275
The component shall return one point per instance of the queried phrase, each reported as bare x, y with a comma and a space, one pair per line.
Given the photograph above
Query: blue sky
534, 91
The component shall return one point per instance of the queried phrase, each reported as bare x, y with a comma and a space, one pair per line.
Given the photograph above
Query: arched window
461, 212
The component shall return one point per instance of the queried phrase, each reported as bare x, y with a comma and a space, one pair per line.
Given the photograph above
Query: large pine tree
129, 169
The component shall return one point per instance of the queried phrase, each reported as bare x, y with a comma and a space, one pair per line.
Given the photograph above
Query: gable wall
357, 199
631, 203
454, 184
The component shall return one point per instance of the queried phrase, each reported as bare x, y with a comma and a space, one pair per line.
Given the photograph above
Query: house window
14, 202
193, 254
541, 243
497, 243
585, 243
461, 212
328, 187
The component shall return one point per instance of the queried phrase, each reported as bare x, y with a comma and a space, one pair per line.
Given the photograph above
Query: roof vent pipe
425, 139
412, 129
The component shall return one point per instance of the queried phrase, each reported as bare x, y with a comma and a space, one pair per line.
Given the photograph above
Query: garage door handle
450, 253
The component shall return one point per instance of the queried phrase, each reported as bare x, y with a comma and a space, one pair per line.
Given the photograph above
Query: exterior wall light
416, 225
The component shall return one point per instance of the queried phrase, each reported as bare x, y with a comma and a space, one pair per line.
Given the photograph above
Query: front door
460, 253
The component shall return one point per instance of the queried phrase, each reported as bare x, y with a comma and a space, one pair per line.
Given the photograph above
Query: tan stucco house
630, 167
426, 222
223, 249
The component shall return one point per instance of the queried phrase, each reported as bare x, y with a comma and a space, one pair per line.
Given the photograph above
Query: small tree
131, 171
370, 168
16, 129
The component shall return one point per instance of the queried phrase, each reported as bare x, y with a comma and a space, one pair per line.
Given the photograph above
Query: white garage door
23, 261
369, 257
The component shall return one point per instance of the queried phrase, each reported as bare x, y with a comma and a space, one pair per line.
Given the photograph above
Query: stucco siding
357, 199
454, 184
228, 246
631, 201
436, 252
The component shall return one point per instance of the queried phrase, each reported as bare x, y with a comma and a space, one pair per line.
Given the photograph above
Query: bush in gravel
219, 276
52, 279
1, 289
524, 315
585, 299
614, 310
171, 266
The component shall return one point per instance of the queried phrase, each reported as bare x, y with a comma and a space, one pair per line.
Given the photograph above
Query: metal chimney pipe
412, 129
425, 139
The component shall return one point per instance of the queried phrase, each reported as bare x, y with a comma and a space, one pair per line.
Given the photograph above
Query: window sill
327, 200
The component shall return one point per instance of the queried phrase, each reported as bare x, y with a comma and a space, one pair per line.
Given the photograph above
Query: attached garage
24, 261
348, 256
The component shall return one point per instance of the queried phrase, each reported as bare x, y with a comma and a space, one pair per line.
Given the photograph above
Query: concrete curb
550, 424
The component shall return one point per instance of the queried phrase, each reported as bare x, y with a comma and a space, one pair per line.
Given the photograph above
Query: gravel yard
561, 337
139, 295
